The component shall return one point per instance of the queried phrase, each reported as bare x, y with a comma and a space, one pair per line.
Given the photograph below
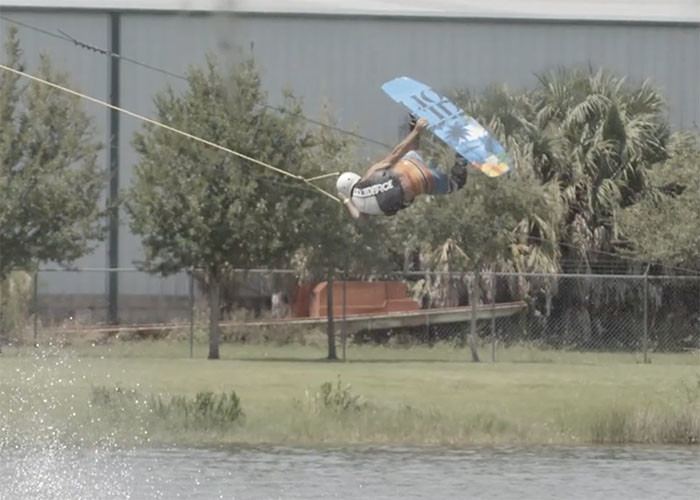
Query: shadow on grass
354, 361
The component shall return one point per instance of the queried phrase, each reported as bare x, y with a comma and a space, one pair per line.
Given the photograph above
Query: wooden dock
402, 319
351, 323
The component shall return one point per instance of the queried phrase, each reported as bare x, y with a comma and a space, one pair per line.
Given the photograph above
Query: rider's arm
410, 143
351, 207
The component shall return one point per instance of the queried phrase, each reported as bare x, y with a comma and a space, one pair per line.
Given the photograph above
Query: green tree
199, 208
50, 183
592, 134
664, 225
598, 137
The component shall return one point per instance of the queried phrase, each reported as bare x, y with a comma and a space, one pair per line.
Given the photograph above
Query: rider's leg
437, 181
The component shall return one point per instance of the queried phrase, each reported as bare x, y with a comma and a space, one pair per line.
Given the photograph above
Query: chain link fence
418, 315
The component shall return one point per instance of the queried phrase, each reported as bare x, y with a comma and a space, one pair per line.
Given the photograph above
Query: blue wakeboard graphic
451, 124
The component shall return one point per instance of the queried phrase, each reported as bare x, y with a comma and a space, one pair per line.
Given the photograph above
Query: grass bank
152, 393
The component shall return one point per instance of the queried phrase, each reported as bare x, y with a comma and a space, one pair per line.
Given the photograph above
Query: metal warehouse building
341, 53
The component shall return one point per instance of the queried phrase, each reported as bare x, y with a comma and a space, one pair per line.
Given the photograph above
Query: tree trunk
330, 325
474, 295
214, 315
2, 317
462, 331
2, 308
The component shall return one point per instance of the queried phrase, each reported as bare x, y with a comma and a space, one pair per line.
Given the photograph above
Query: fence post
645, 338
344, 333
463, 331
427, 330
475, 297
191, 291
493, 318
2, 315
330, 323
35, 305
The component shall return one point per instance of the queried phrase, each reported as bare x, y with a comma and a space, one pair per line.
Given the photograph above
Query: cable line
167, 127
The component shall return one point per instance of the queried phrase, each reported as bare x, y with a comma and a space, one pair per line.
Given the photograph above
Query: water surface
381, 473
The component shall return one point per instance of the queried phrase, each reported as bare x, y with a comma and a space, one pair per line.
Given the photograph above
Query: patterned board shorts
420, 178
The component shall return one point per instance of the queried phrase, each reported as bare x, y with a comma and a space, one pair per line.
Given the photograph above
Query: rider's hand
421, 124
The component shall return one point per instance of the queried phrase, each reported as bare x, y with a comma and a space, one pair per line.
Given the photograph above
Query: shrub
205, 410
337, 399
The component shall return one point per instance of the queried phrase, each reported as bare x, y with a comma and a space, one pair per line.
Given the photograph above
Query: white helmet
345, 183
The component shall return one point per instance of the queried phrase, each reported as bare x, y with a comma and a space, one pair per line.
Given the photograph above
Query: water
385, 473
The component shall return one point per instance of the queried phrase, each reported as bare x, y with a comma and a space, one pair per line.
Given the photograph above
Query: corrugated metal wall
345, 60
348, 59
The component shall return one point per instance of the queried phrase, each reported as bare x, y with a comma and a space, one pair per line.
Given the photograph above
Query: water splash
47, 449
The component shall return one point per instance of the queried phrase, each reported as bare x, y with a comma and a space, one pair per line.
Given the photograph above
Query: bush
336, 399
206, 410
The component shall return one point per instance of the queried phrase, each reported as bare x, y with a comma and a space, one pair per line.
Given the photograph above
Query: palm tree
598, 138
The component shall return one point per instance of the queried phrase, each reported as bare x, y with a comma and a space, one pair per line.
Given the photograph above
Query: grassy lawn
414, 396
317, 351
